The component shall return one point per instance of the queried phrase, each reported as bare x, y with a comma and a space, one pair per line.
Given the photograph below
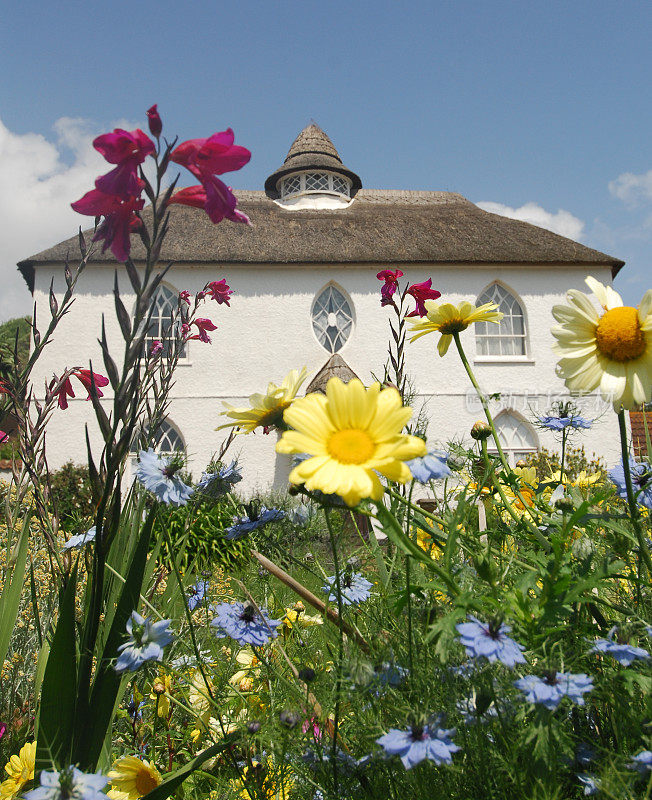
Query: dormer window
315, 182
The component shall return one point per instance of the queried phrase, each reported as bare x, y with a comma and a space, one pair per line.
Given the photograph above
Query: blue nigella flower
559, 423
217, 484
550, 690
300, 515
623, 653
80, 539
254, 520
69, 783
389, 674
641, 481
354, 586
584, 754
146, 642
468, 708
418, 743
243, 623
197, 594
590, 783
642, 763
431, 467
489, 640
157, 473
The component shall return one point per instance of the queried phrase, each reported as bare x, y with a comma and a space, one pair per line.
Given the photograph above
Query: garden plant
169, 637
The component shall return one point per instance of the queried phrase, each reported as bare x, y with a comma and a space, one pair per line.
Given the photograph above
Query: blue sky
541, 110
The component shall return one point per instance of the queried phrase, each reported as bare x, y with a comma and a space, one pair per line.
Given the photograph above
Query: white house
305, 288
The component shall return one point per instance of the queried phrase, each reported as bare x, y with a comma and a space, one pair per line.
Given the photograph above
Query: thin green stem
563, 455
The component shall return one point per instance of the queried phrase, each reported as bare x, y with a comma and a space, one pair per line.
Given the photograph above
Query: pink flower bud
154, 120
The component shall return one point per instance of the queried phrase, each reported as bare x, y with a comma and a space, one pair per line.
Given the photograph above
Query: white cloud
563, 222
632, 188
40, 179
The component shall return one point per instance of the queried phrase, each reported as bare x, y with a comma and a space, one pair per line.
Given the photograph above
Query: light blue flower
590, 783
69, 784
217, 484
550, 691
197, 594
354, 586
472, 715
157, 473
642, 763
80, 539
432, 467
489, 640
243, 623
559, 423
146, 642
418, 743
255, 519
641, 474
300, 515
624, 654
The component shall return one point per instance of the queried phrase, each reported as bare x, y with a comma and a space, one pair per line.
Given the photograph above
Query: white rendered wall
267, 332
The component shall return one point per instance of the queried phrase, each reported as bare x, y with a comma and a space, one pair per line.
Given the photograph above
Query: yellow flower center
145, 781
453, 326
351, 446
619, 335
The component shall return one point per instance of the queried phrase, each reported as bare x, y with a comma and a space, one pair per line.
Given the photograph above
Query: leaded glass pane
167, 440
340, 185
291, 185
332, 319
316, 182
507, 338
165, 305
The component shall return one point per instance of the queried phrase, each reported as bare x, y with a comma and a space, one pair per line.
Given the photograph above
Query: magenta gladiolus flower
155, 348
84, 375
219, 291
215, 197
4, 437
184, 295
119, 219
127, 150
390, 286
154, 121
422, 292
203, 325
207, 158
65, 391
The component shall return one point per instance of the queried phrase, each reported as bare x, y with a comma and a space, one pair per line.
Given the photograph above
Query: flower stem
563, 456
644, 553
340, 652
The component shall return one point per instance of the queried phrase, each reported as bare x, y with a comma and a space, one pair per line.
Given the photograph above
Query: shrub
71, 496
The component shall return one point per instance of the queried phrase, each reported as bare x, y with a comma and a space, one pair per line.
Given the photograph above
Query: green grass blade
12, 590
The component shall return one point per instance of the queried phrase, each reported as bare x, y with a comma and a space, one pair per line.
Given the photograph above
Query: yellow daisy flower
351, 433
266, 409
612, 350
132, 778
447, 319
296, 616
20, 769
582, 481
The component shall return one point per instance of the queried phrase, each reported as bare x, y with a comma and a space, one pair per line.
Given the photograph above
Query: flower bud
480, 431
299, 607
253, 726
290, 719
154, 120
158, 687
565, 505
246, 685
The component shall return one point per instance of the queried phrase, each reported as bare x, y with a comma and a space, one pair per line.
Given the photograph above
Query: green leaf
105, 692
56, 718
12, 591
177, 778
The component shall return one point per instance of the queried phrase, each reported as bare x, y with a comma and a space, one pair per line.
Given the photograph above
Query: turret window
315, 182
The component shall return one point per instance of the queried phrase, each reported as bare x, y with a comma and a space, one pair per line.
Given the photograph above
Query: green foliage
197, 534
8, 337
72, 496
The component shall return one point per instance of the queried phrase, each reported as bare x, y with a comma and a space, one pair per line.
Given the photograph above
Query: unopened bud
307, 674
564, 504
299, 607
158, 687
253, 726
289, 718
480, 431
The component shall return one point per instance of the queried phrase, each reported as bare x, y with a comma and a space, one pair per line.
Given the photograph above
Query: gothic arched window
517, 437
165, 304
167, 440
507, 338
332, 319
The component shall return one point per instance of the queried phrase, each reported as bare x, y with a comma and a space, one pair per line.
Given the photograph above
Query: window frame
512, 453
485, 358
303, 178
184, 358
332, 287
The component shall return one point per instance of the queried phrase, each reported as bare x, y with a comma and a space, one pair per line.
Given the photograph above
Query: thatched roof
378, 227
335, 367
312, 149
